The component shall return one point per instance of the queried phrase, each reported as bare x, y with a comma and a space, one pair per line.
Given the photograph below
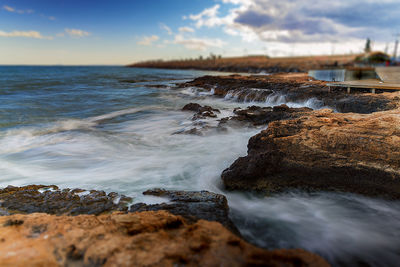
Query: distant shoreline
252, 64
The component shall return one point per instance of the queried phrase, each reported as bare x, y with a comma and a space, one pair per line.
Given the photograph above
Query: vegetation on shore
251, 63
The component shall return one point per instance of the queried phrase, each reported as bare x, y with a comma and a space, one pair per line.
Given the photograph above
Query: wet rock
192, 205
295, 87
52, 200
201, 111
323, 151
264, 115
191, 131
134, 239
191, 107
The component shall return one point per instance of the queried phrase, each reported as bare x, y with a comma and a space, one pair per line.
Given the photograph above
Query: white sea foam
343, 228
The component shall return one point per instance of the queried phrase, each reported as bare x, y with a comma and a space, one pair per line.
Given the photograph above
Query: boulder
133, 239
323, 151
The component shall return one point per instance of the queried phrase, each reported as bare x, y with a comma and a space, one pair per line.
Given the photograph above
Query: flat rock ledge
132, 239
297, 88
192, 205
52, 200
323, 151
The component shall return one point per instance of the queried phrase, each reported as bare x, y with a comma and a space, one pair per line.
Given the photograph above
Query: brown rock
52, 200
264, 115
323, 151
134, 239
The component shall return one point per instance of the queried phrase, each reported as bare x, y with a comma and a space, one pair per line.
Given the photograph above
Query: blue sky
121, 32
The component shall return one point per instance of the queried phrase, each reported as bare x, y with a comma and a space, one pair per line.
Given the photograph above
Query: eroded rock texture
323, 151
52, 200
133, 239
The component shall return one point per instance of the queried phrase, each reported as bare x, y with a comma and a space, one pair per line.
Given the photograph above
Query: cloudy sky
122, 31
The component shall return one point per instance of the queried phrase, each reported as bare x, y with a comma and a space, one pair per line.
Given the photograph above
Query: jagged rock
323, 151
52, 200
192, 205
201, 111
133, 239
295, 87
264, 115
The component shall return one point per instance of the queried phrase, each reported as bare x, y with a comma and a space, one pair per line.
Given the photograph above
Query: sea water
115, 129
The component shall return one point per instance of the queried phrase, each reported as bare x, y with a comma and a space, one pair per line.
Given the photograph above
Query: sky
119, 32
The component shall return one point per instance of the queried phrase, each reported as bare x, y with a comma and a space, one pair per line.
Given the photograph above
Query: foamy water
90, 128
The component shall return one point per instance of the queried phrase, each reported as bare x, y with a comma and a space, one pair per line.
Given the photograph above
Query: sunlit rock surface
133, 239
323, 151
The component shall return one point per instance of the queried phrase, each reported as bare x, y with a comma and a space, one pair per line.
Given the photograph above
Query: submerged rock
323, 151
192, 205
133, 239
52, 200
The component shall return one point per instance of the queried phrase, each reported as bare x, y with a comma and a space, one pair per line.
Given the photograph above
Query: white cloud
208, 17
19, 11
148, 40
297, 22
76, 33
166, 28
27, 34
199, 44
186, 29
8, 8
26, 11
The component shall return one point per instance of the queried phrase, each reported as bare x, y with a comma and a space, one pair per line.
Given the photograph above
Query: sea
120, 130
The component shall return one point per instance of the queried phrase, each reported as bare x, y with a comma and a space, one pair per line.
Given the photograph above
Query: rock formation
295, 87
192, 205
263, 115
323, 151
52, 200
133, 239
201, 111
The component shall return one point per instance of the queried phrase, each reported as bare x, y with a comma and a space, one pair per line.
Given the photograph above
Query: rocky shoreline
354, 149
295, 88
253, 64
187, 230
323, 151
